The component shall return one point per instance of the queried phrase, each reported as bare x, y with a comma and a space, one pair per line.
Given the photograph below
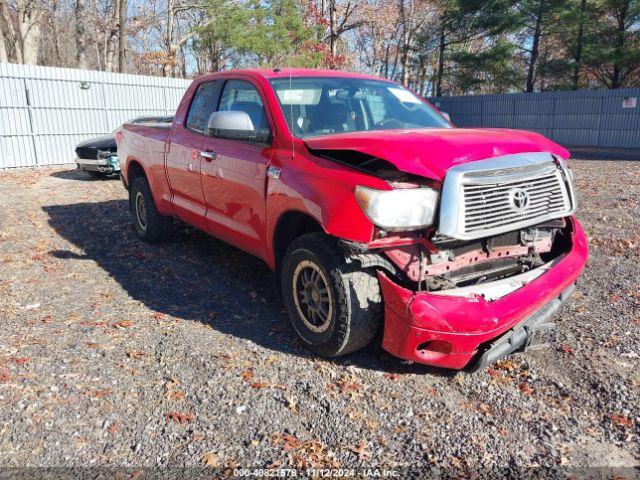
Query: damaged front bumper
108, 164
475, 326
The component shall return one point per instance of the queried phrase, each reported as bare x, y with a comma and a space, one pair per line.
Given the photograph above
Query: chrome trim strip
522, 166
100, 161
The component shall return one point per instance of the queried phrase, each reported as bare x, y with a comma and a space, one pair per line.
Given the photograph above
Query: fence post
31, 132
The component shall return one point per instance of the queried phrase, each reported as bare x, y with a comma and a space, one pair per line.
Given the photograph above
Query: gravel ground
116, 353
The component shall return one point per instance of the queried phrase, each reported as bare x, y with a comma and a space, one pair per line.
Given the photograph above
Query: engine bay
443, 263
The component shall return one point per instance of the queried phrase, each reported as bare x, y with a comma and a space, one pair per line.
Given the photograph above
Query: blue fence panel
592, 118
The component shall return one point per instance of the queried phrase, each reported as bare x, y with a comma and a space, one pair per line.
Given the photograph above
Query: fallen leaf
123, 324
621, 420
506, 365
99, 393
247, 374
4, 375
566, 349
526, 388
114, 428
210, 459
135, 354
175, 395
391, 376
178, 417
93, 324
361, 451
292, 404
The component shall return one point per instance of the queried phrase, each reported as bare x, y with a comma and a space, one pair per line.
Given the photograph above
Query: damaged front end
454, 286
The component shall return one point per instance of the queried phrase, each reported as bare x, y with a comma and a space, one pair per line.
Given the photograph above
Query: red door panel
234, 185
183, 157
183, 170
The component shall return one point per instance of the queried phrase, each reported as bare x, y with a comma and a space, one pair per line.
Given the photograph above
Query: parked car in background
373, 210
98, 156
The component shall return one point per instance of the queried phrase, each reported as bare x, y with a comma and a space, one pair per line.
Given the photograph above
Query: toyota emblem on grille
519, 199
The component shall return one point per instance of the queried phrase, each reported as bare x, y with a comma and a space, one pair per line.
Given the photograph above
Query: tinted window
239, 95
201, 107
322, 106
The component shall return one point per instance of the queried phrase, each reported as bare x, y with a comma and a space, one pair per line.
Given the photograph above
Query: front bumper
450, 331
103, 165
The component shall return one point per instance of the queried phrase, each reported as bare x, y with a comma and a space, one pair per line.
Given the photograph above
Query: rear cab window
201, 107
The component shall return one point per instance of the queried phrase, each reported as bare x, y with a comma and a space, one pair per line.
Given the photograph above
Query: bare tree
122, 37
29, 14
341, 20
111, 29
81, 34
4, 56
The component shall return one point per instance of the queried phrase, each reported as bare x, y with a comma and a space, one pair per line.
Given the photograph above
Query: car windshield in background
315, 106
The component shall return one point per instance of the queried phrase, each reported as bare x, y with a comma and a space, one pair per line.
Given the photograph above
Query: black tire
149, 224
354, 298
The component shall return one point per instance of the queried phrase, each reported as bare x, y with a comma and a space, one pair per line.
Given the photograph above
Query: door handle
208, 155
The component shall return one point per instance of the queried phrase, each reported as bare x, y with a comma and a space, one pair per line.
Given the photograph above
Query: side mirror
446, 115
236, 125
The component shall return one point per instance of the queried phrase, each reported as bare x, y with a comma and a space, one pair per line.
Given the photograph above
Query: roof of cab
295, 72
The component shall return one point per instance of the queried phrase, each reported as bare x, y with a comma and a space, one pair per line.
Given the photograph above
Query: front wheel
149, 224
334, 306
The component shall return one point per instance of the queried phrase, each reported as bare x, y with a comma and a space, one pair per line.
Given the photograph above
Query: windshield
315, 106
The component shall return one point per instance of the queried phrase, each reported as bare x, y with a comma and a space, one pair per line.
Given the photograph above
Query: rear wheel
334, 306
149, 224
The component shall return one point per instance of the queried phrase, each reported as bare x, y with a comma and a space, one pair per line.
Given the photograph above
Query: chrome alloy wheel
312, 296
141, 211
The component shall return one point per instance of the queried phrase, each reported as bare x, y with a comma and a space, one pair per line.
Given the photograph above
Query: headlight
402, 209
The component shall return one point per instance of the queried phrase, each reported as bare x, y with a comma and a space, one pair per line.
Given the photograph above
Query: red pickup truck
373, 210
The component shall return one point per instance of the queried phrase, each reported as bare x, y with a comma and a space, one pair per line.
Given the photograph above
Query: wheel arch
290, 225
135, 170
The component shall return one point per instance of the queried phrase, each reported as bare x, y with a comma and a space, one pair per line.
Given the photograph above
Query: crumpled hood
431, 152
102, 142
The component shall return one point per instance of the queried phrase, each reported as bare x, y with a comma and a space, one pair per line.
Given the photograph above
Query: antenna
293, 150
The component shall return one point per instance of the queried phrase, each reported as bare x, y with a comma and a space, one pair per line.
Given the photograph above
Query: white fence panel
46, 111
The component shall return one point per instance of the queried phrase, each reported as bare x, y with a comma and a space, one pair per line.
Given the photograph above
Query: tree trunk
11, 41
333, 37
29, 18
535, 49
440, 72
167, 65
616, 77
4, 56
54, 33
122, 35
407, 19
111, 37
81, 35
386, 60
577, 57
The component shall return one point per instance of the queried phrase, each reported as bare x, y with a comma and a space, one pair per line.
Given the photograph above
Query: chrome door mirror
236, 125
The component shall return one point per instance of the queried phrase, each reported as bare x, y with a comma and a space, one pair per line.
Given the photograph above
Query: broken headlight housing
400, 209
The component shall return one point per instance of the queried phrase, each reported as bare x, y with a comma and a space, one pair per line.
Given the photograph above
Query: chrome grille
489, 206
503, 194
